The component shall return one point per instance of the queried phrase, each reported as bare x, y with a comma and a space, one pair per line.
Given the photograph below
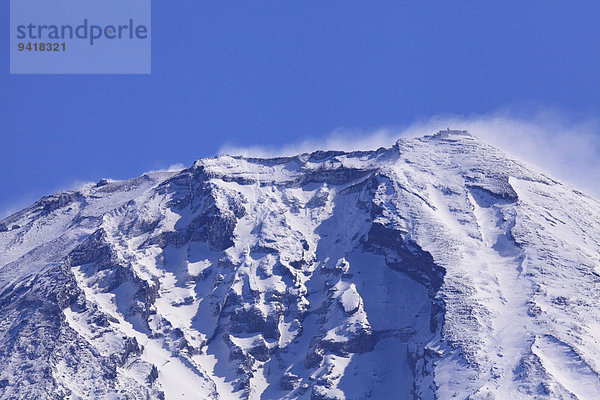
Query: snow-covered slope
438, 268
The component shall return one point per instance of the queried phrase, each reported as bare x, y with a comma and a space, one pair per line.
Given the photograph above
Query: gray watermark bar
80, 36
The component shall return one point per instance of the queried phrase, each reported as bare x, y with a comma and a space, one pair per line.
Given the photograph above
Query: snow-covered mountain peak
437, 268
452, 133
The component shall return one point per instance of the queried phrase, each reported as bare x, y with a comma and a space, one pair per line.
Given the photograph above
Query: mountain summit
438, 268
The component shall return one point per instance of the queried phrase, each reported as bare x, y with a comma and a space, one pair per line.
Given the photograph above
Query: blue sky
271, 73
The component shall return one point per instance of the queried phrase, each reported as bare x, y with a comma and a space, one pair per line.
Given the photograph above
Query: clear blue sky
258, 73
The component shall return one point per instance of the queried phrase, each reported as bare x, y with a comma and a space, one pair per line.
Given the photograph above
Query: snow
567, 367
438, 268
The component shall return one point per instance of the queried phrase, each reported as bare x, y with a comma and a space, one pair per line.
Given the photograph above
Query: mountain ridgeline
438, 268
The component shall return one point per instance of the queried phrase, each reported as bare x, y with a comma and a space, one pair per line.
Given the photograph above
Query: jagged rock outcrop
438, 268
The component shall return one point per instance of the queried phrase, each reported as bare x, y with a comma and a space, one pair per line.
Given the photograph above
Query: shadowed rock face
437, 268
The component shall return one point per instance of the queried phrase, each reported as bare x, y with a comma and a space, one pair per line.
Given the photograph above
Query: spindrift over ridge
438, 268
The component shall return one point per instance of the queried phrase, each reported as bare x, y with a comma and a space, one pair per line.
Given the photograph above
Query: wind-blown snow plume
567, 148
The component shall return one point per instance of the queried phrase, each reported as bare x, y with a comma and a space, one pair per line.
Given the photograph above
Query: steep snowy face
438, 268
